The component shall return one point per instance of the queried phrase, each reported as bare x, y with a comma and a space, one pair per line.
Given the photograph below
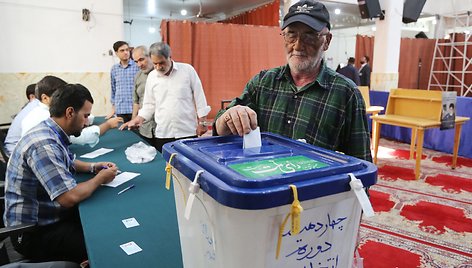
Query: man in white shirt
44, 90
174, 94
14, 131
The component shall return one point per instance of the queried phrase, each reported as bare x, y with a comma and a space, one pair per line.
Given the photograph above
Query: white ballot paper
130, 248
96, 153
252, 139
130, 222
121, 178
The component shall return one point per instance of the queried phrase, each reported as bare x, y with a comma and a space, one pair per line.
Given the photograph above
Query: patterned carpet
418, 223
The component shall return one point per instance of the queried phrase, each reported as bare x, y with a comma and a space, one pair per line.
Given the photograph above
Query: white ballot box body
232, 215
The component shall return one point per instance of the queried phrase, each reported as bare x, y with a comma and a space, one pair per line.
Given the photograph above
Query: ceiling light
466, 31
151, 6
374, 29
337, 11
152, 30
183, 12
434, 22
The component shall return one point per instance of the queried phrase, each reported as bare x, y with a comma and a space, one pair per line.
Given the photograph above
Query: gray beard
306, 66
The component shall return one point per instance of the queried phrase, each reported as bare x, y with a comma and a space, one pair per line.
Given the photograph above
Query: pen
126, 189
106, 167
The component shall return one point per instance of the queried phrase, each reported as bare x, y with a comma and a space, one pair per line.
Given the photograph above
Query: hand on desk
106, 171
114, 122
134, 123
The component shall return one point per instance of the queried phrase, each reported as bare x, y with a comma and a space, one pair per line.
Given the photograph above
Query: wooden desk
149, 202
418, 110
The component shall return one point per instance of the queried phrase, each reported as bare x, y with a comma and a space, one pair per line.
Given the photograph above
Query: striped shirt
40, 169
122, 85
328, 112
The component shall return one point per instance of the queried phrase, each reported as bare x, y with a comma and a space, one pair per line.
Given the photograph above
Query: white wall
138, 34
50, 36
343, 44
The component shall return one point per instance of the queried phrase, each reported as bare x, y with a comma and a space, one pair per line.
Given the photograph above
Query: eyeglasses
307, 38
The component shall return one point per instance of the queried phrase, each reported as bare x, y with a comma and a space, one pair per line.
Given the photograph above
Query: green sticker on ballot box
276, 166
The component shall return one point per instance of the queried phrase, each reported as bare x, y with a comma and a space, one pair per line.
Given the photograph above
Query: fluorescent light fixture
183, 12
415, 28
337, 11
151, 6
152, 30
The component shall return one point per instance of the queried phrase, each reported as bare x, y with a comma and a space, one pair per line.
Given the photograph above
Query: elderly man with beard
141, 58
174, 94
303, 99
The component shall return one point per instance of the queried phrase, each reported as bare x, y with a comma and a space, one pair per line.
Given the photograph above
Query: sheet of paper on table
96, 153
130, 248
121, 178
130, 222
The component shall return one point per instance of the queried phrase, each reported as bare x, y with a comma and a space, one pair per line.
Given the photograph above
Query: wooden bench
418, 110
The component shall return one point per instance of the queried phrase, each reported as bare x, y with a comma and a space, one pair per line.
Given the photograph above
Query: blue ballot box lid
259, 178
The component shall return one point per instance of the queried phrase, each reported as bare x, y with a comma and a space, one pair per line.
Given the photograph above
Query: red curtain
225, 56
364, 47
267, 15
412, 50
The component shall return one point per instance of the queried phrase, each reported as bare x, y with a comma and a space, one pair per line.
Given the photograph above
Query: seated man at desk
40, 185
38, 111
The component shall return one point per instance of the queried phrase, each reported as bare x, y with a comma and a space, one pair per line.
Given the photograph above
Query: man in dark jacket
364, 71
350, 71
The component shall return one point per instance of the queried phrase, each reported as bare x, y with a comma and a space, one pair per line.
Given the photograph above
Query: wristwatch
204, 123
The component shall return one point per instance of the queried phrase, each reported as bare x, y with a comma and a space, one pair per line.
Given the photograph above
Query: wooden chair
418, 110
373, 110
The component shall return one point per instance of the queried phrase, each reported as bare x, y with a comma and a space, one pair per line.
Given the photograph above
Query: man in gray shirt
141, 58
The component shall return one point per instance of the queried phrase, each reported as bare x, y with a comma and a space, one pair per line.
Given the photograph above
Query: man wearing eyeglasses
303, 99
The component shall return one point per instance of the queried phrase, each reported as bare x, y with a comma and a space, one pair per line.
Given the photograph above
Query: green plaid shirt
329, 112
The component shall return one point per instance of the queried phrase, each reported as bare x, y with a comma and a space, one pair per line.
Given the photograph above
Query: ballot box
284, 204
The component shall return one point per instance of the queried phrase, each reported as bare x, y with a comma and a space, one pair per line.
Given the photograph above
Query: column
387, 47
